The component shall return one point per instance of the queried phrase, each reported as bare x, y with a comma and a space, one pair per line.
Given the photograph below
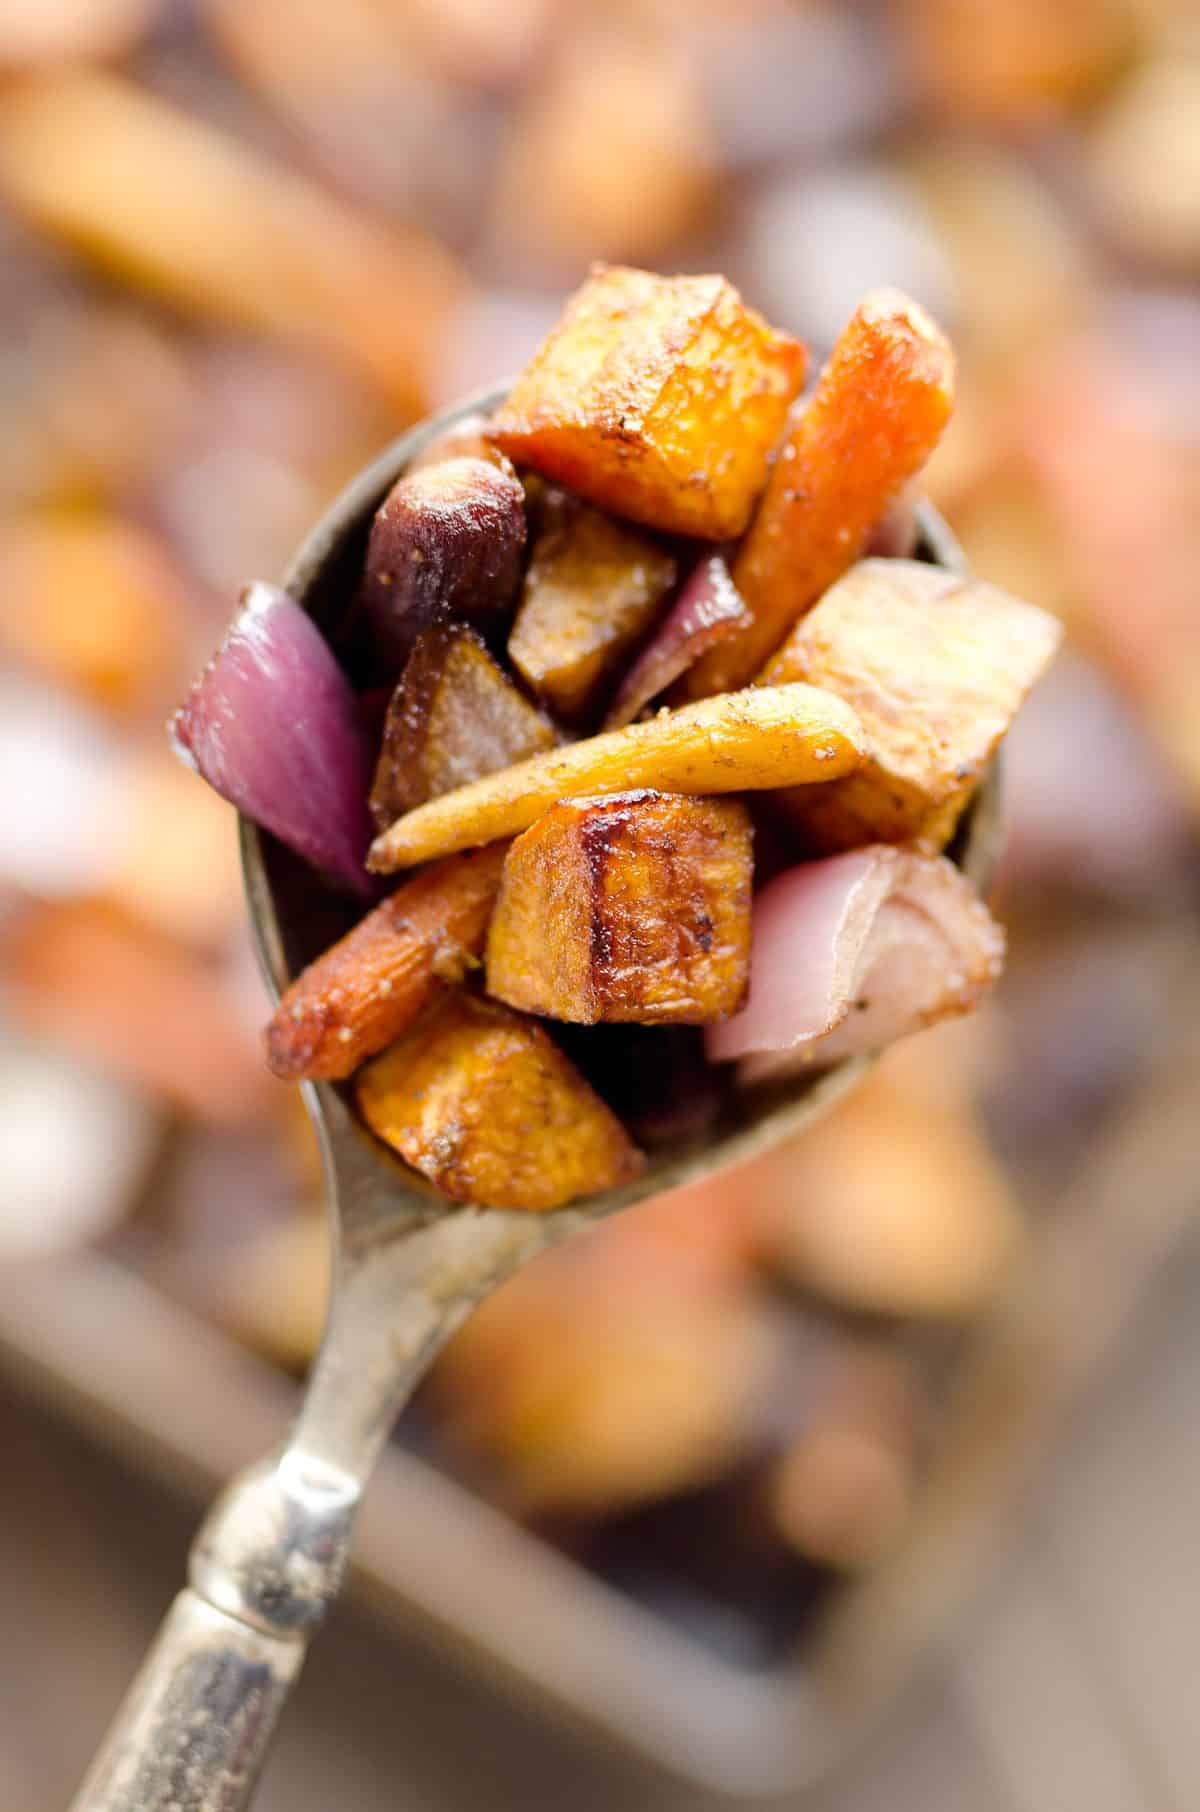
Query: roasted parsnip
593, 588
769, 737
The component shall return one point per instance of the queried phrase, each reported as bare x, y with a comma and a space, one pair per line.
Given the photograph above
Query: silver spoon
194, 1729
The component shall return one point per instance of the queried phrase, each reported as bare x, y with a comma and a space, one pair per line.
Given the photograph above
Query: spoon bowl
408, 1268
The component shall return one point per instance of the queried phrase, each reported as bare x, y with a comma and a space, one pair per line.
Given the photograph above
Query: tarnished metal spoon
193, 1731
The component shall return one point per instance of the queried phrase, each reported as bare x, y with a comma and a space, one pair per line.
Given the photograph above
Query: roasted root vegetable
627, 543
773, 736
659, 398
631, 907
875, 417
100, 162
936, 666
454, 717
361, 994
592, 590
446, 543
482, 1102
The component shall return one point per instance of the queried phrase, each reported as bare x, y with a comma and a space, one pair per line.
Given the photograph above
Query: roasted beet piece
446, 542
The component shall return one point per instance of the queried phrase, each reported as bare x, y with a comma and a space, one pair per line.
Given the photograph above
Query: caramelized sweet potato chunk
936, 666
454, 717
659, 398
768, 737
361, 994
876, 415
446, 542
483, 1103
592, 590
632, 907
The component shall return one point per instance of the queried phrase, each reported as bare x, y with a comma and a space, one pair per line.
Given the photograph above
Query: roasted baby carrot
875, 417
363, 992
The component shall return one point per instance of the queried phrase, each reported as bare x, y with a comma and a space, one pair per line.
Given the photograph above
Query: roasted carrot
875, 417
363, 992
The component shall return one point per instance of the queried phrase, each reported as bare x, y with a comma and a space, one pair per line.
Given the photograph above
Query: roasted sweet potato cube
936, 666
659, 398
482, 1102
454, 717
363, 992
446, 542
632, 907
593, 588
875, 417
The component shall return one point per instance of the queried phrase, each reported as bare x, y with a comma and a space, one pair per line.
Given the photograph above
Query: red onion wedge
274, 727
853, 952
708, 608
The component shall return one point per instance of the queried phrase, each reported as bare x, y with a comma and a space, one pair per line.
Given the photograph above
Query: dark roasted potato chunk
482, 1102
446, 542
936, 667
593, 588
632, 907
362, 993
658, 398
454, 717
